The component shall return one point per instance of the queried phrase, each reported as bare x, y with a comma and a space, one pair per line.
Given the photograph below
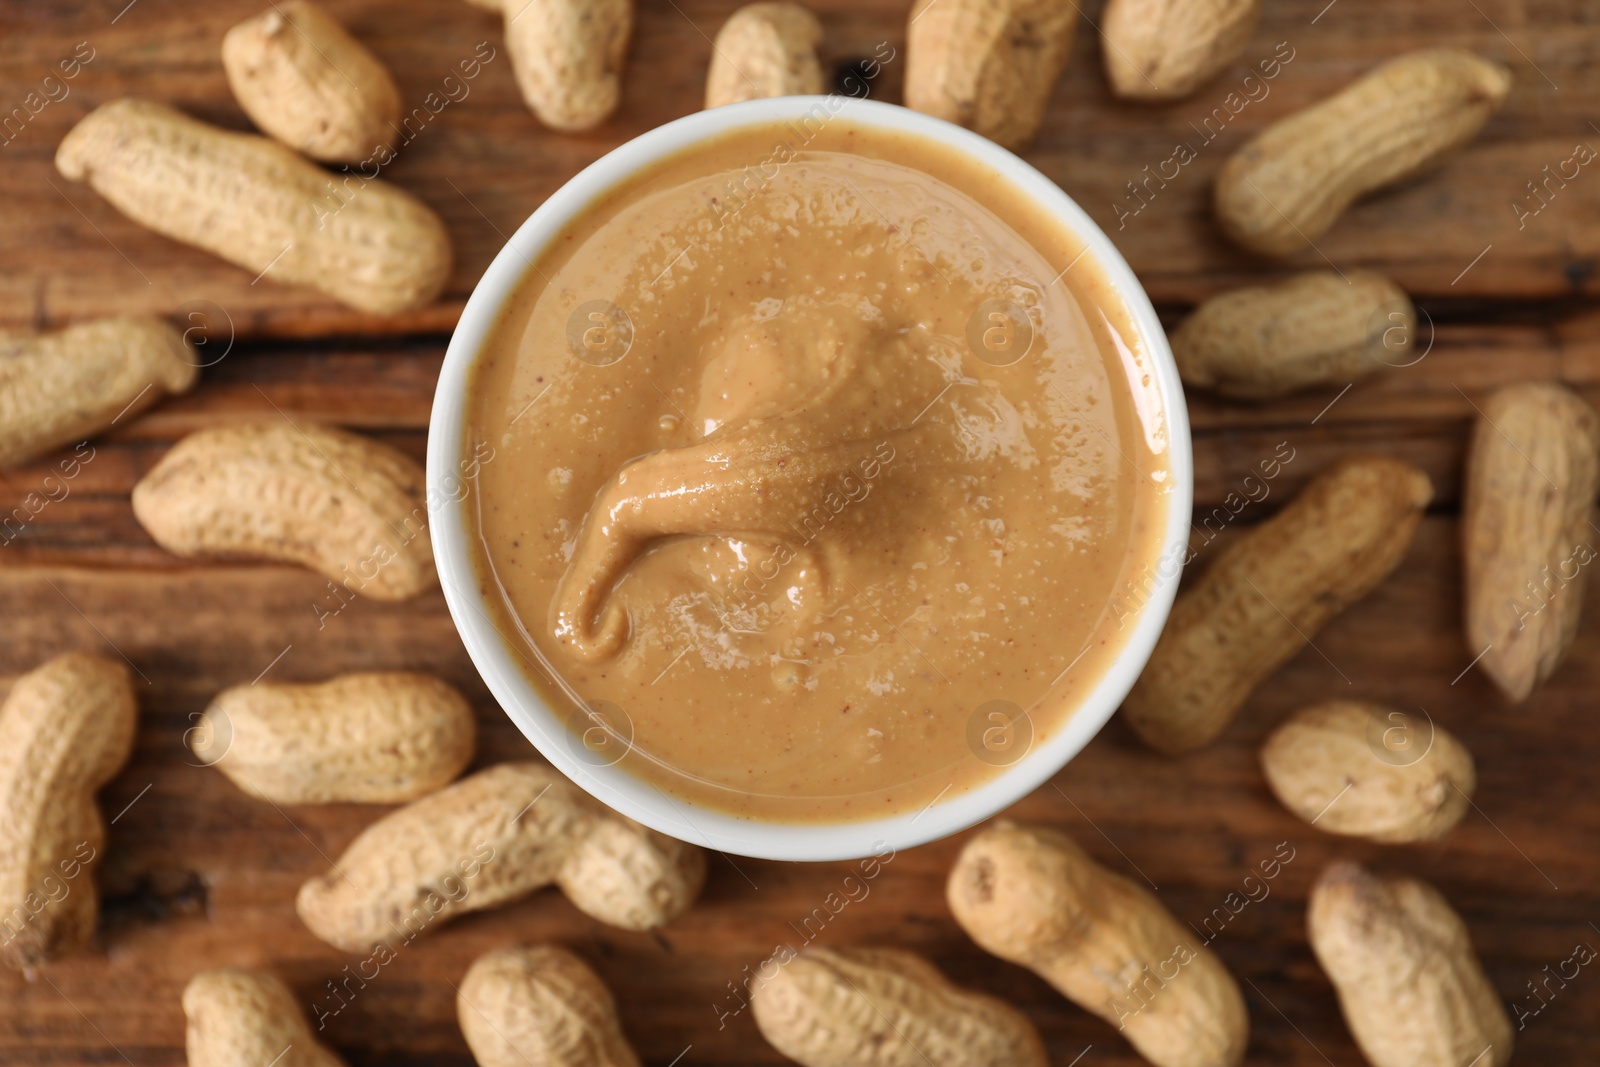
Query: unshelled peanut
1411, 988
66, 386
1369, 771
1269, 593
539, 1006
238, 1017
988, 65
568, 56
765, 49
1527, 536
304, 80
881, 1007
261, 206
1289, 185
343, 505
1166, 49
65, 729
379, 738
492, 838
1030, 895
1317, 328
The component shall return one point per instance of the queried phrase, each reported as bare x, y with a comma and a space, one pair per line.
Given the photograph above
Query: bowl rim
494, 655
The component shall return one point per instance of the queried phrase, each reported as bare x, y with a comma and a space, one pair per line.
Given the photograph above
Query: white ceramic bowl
499, 663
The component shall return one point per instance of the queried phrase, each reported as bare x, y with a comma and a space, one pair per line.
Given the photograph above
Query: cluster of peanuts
1408, 981
342, 504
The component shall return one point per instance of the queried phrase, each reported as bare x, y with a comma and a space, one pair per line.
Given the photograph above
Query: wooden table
198, 875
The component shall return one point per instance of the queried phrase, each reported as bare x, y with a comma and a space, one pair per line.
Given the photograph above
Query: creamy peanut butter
821, 456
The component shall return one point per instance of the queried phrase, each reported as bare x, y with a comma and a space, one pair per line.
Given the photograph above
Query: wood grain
1421, 413
198, 875
484, 163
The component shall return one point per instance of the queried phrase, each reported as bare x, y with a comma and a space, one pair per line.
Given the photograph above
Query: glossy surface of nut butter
826, 474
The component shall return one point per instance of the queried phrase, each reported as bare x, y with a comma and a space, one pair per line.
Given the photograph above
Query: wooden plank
1421, 413
200, 875
485, 164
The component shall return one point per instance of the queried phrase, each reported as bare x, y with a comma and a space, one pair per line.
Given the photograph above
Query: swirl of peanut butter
786, 415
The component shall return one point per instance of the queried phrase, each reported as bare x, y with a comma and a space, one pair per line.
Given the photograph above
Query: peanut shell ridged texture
343, 505
1166, 49
308, 83
1269, 593
1411, 988
62, 387
1290, 184
380, 738
1030, 895
259, 205
1365, 771
539, 1006
988, 65
763, 50
498, 836
239, 1018
65, 730
866, 1007
568, 56
1317, 328
1532, 472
